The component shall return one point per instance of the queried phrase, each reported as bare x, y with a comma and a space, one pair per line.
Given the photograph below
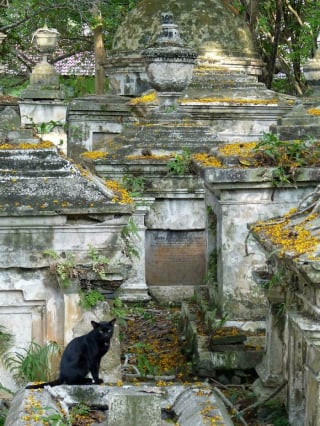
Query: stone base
174, 293
268, 379
134, 292
261, 391
37, 112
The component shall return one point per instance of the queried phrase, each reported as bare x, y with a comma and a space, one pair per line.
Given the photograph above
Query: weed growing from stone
181, 163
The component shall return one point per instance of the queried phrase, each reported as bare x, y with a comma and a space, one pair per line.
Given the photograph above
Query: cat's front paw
98, 382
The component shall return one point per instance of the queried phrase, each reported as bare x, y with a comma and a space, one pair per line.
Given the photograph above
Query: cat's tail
57, 382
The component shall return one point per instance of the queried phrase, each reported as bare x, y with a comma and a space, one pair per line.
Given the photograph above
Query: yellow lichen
94, 155
206, 160
313, 111
231, 101
27, 145
295, 239
145, 99
121, 195
238, 148
152, 157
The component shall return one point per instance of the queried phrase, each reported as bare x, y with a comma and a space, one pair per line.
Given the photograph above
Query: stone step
33, 162
228, 339
227, 349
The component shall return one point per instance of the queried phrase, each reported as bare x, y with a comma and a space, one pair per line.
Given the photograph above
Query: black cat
83, 355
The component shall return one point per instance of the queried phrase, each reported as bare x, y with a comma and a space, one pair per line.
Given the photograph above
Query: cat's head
104, 329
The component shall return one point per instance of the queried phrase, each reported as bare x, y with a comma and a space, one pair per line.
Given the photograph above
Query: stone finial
167, 18
169, 33
169, 63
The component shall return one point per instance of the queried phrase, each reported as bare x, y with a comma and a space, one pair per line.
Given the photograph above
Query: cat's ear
94, 324
113, 321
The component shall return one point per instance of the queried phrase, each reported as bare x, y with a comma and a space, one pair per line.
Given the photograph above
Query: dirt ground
150, 341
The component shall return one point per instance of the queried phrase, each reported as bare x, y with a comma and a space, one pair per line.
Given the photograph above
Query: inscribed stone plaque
175, 257
134, 410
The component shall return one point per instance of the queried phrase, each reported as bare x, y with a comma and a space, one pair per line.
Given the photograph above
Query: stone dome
219, 36
208, 26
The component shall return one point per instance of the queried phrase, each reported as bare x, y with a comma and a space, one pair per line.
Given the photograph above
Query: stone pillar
135, 288
271, 369
313, 384
237, 198
72, 314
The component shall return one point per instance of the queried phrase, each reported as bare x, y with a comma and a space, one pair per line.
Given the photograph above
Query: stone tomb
47, 203
145, 404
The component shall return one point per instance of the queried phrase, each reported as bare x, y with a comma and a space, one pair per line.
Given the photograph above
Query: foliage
276, 413
33, 363
181, 163
46, 127
66, 268
56, 418
286, 156
98, 262
120, 311
145, 367
79, 410
89, 299
129, 235
135, 185
6, 340
213, 322
276, 279
3, 415
285, 34
75, 20
80, 84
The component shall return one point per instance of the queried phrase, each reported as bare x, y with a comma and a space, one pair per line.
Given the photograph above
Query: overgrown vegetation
80, 23
181, 163
31, 364
135, 185
130, 236
284, 33
65, 266
286, 156
90, 298
6, 340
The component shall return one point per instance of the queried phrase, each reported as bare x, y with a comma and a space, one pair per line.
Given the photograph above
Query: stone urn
44, 77
45, 39
169, 64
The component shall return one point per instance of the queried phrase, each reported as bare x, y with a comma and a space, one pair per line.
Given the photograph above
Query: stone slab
136, 410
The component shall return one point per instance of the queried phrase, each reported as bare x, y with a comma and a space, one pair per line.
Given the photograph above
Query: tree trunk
254, 10
276, 37
99, 55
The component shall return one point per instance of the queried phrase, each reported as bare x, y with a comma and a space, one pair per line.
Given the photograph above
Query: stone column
135, 288
271, 369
